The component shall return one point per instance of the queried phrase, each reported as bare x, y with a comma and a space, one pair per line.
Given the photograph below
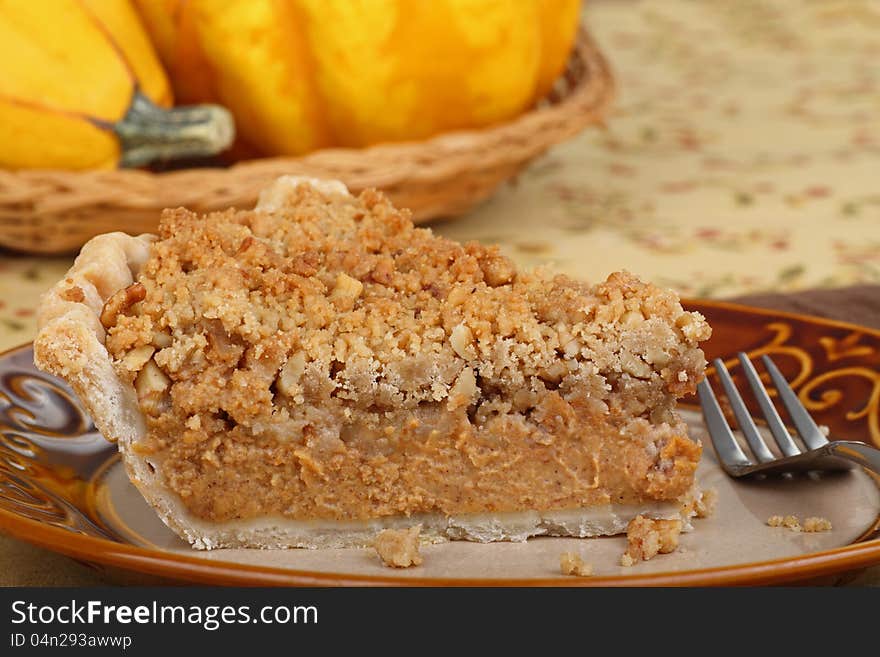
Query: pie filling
322, 359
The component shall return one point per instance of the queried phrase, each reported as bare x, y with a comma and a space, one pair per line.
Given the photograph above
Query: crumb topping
328, 359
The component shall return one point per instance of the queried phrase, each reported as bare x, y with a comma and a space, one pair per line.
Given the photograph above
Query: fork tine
729, 452
807, 429
743, 419
774, 422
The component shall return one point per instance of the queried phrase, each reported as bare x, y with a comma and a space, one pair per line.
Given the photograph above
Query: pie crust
655, 359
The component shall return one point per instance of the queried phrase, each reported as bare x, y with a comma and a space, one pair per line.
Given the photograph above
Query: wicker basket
44, 211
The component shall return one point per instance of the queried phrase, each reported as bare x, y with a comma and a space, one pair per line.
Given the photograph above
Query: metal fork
820, 453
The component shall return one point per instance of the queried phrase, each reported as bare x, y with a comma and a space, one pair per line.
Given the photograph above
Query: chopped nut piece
151, 380
692, 326
464, 389
346, 291
497, 269
657, 356
152, 386
162, 340
571, 563
775, 521
815, 524
461, 340
288, 379
135, 359
120, 302
646, 537
399, 548
457, 295
634, 366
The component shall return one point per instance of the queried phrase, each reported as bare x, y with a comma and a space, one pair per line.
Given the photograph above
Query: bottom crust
482, 527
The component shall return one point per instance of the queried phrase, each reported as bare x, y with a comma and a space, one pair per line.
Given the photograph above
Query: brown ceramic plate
62, 487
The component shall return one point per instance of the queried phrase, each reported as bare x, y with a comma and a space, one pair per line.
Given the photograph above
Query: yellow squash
305, 74
81, 87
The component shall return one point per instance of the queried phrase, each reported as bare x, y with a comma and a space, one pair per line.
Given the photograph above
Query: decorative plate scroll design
831, 397
49, 449
37, 403
834, 368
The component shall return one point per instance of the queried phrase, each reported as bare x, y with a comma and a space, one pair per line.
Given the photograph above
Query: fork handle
859, 453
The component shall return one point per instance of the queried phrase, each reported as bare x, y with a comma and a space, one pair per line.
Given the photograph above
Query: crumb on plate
399, 548
789, 522
704, 507
648, 537
774, 521
571, 563
817, 524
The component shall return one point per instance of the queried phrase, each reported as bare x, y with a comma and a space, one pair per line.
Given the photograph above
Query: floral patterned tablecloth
743, 155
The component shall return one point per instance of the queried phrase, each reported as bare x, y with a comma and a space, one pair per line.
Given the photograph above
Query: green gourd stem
148, 132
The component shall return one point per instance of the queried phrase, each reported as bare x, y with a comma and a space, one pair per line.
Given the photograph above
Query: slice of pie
316, 370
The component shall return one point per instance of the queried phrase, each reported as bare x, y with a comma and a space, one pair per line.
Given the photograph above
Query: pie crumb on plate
399, 548
648, 537
706, 503
817, 524
792, 522
571, 563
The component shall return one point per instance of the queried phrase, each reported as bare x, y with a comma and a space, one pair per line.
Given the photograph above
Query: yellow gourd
305, 74
81, 87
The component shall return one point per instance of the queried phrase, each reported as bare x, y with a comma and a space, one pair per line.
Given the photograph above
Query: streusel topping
274, 349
